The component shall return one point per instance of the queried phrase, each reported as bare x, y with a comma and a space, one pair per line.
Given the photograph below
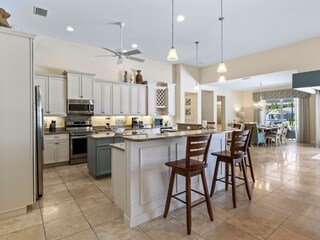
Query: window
280, 110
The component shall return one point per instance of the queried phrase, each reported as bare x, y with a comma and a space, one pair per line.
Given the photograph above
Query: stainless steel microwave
80, 107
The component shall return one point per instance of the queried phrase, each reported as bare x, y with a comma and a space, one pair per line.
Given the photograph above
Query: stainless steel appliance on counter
39, 147
78, 132
80, 107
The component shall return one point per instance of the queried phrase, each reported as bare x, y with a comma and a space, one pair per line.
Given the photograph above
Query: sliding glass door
280, 111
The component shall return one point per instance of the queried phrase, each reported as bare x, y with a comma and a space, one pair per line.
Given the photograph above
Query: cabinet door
63, 151
107, 99
97, 98
57, 96
103, 160
116, 99
125, 100
74, 86
142, 101
152, 111
87, 87
49, 152
171, 100
42, 81
134, 100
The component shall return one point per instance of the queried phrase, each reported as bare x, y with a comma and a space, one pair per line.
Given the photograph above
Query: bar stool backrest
239, 142
197, 145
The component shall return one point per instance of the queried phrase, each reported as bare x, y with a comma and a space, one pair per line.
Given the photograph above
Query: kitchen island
140, 178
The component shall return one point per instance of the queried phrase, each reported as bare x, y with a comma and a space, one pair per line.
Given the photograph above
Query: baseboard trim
13, 213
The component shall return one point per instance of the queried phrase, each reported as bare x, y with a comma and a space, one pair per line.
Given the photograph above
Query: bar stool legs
250, 164
215, 175
188, 202
166, 210
206, 192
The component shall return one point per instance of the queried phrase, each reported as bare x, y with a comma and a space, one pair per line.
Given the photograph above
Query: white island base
140, 178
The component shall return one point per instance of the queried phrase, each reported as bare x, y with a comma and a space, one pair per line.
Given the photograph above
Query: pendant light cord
221, 20
172, 24
197, 53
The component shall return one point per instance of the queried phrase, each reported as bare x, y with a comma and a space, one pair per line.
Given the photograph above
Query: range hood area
307, 81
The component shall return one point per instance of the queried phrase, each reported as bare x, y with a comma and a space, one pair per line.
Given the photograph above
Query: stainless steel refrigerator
39, 146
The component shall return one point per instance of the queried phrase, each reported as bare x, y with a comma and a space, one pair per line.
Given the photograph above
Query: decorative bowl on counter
118, 131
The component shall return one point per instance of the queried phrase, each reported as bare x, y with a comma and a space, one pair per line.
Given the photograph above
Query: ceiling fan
121, 53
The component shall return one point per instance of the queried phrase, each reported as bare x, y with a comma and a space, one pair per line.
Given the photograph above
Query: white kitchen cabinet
79, 86
121, 99
138, 100
102, 98
53, 94
16, 147
171, 100
56, 148
152, 94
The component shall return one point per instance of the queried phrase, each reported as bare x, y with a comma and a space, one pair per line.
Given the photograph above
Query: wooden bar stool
196, 146
238, 149
247, 156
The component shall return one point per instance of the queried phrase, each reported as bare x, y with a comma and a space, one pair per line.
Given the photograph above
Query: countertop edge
119, 146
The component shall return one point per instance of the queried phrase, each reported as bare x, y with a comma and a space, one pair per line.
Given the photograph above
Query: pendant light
172, 53
222, 67
197, 86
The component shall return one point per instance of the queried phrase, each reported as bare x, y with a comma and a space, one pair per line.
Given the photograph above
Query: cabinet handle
56, 143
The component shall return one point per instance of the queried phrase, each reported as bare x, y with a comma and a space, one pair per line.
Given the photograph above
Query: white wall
186, 79
233, 100
54, 56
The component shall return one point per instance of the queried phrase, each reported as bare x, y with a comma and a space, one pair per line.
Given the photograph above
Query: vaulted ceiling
251, 26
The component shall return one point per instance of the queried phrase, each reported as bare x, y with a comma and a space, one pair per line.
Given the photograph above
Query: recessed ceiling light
134, 45
180, 18
70, 29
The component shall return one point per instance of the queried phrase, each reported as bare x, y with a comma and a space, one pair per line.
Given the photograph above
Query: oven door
78, 147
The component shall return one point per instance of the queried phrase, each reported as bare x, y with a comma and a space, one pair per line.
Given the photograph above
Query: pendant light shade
173, 56
222, 67
222, 79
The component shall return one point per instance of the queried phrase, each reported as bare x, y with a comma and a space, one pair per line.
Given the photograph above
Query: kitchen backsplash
101, 121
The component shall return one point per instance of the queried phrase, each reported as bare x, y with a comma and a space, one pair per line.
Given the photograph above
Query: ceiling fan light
222, 79
222, 68
172, 55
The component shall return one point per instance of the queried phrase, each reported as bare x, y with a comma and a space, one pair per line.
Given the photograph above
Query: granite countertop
148, 137
120, 146
58, 131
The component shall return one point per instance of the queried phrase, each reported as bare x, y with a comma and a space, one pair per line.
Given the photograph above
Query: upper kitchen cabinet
53, 94
161, 99
102, 98
79, 85
138, 100
121, 99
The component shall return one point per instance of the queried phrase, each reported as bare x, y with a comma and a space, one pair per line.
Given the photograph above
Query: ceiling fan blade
132, 52
136, 59
106, 56
111, 51
120, 60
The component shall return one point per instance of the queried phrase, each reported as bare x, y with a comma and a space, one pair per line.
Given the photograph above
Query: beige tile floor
285, 205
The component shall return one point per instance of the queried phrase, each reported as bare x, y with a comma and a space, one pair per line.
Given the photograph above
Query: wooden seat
238, 150
197, 146
248, 161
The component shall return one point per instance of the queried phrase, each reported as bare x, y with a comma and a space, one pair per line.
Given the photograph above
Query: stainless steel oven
78, 148
80, 107
78, 132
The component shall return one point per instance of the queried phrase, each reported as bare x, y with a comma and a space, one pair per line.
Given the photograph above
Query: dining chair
239, 145
197, 147
277, 136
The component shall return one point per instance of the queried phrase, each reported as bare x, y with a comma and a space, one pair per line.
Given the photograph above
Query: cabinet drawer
104, 142
55, 137
118, 140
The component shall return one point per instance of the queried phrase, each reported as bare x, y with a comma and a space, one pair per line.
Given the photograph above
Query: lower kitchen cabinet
56, 148
99, 155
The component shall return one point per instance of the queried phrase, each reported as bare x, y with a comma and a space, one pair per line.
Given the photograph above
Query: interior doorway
191, 107
221, 110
